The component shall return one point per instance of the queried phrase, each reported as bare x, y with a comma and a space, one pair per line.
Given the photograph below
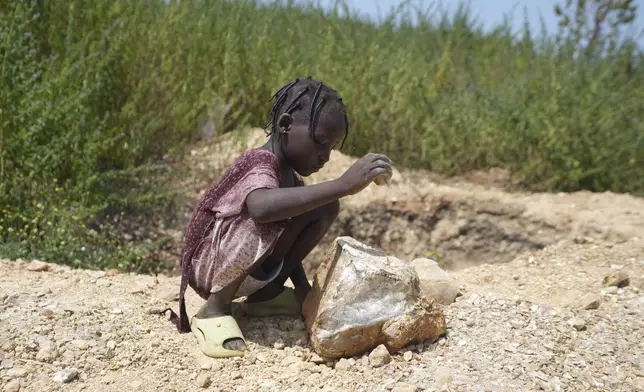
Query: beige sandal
284, 304
212, 333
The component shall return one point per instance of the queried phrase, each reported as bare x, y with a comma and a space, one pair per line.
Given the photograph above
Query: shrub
98, 95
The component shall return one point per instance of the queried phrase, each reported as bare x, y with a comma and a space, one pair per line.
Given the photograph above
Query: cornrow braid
300, 90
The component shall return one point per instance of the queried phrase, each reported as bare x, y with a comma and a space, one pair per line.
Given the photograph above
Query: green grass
95, 93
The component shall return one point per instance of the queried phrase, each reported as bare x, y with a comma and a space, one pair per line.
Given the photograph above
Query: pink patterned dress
222, 241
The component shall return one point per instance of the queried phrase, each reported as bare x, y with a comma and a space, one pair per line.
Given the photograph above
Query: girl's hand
364, 171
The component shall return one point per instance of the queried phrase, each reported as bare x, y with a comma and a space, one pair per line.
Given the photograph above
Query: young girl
254, 226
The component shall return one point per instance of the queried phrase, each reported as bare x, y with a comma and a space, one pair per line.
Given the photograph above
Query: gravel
500, 337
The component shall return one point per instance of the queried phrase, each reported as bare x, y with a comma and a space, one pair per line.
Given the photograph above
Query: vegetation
97, 95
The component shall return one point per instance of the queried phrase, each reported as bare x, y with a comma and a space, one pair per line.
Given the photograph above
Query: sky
492, 12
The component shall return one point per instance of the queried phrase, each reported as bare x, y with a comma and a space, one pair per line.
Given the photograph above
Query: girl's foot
266, 293
214, 308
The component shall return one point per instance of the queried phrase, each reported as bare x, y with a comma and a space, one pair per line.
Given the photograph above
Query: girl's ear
284, 123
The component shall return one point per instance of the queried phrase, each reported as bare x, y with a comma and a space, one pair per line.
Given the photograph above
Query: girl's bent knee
332, 210
325, 213
328, 212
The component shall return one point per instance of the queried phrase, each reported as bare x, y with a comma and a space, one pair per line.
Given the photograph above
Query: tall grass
96, 93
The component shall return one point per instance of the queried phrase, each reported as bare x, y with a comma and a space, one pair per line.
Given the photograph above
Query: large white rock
361, 297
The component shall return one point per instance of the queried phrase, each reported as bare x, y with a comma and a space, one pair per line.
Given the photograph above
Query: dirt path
525, 261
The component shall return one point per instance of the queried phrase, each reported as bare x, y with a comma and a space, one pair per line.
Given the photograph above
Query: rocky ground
534, 313
520, 326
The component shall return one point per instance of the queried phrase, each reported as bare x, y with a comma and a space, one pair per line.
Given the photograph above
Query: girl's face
307, 156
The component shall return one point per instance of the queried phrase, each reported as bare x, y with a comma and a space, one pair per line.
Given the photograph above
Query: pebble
616, 278
279, 344
43, 293
80, 344
235, 375
7, 363
12, 386
263, 356
112, 272
156, 309
204, 380
313, 368
590, 302
116, 311
38, 266
96, 274
343, 364
407, 356
17, 372
66, 375
103, 283
47, 304
610, 290
577, 323
47, 353
316, 359
250, 357
379, 356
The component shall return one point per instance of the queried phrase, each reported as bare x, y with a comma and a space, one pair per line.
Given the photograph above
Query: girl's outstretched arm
276, 204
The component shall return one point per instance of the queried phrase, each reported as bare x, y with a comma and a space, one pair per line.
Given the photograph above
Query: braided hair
300, 92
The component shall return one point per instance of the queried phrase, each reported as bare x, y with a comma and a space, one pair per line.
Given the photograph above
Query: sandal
212, 333
284, 304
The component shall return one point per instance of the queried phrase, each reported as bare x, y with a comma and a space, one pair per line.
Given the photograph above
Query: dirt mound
460, 223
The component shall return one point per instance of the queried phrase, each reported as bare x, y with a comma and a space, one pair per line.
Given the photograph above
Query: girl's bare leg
218, 304
299, 237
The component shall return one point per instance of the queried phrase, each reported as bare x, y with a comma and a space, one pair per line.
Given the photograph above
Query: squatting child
253, 227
